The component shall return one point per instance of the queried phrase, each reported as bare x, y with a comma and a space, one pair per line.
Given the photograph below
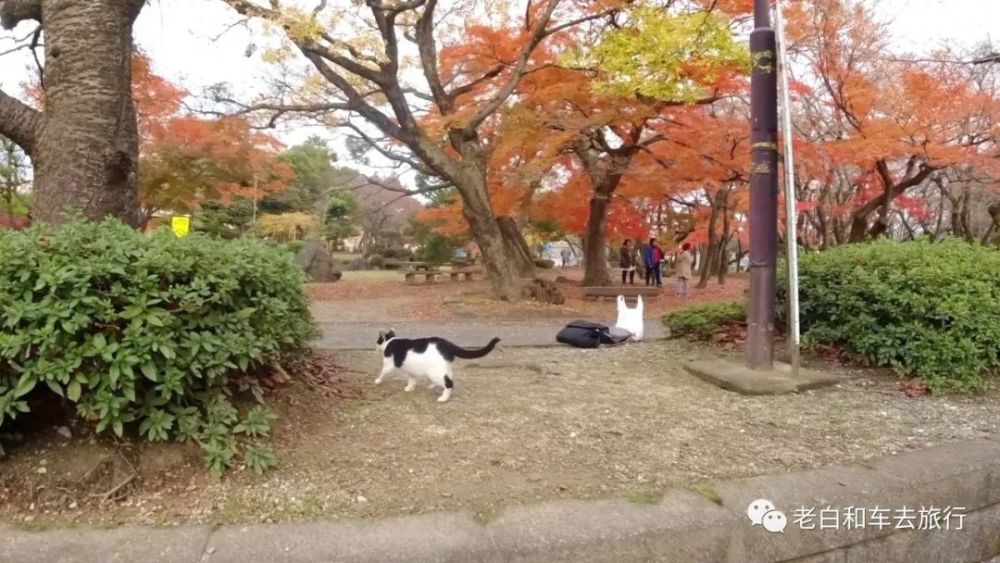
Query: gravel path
354, 325
341, 335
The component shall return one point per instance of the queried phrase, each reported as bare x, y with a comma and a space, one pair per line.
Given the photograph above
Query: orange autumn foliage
872, 130
876, 126
185, 160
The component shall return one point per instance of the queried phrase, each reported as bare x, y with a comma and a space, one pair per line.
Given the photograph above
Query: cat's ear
390, 334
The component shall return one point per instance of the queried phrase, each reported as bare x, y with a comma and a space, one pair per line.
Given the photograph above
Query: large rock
317, 262
544, 291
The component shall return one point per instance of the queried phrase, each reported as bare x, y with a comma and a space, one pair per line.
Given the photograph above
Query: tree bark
711, 258
994, 231
84, 146
724, 241
717, 205
518, 247
500, 258
595, 241
605, 171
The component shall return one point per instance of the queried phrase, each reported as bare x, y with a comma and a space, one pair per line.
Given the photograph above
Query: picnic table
407, 265
430, 276
464, 274
463, 262
612, 292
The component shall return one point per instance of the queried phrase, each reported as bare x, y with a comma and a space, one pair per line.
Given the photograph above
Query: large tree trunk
517, 247
595, 242
994, 230
505, 253
724, 242
712, 250
85, 146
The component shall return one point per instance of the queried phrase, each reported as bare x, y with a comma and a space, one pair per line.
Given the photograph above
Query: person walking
685, 260
653, 260
626, 261
565, 254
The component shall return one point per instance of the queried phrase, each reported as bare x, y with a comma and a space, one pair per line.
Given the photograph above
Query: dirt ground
523, 425
365, 294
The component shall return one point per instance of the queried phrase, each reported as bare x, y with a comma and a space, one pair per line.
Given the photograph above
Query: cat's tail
467, 354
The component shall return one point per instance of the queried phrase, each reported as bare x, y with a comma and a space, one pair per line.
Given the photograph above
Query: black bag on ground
584, 334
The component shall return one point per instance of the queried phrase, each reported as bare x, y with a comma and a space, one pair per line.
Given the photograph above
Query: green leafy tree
286, 226
13, 169
340, 219
315, 175
664, 56
435, 248
217, 219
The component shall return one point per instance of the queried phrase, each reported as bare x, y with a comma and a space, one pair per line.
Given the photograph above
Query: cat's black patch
399, 347
448, 383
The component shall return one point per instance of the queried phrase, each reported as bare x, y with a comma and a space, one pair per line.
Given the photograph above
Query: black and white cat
425, 357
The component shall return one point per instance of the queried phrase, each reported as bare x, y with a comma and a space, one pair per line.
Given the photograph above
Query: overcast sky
179, 35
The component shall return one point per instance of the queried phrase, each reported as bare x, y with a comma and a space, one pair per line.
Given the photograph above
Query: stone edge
709, 525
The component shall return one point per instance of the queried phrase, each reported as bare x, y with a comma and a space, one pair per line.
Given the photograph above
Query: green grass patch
703, 320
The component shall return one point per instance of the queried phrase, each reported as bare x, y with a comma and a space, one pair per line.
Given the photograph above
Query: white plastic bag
630, 319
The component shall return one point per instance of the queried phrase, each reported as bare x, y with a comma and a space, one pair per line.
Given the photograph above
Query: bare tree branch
537, 34
242, 22
428, 58
989, 58
401, 190
468, 87
396, 157
347, 64
17, 48
19, 122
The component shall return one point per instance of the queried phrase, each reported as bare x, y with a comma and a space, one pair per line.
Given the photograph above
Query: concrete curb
685, 526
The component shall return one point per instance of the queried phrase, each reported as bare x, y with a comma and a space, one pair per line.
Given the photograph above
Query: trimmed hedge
703, 320
147, 331
923, 309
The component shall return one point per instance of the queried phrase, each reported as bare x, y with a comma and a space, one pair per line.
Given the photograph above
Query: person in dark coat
626, 261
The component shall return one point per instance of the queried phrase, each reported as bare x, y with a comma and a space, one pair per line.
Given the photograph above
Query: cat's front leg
411, 383
381, 376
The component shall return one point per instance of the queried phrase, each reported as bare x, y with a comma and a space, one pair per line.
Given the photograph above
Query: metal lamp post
763, 190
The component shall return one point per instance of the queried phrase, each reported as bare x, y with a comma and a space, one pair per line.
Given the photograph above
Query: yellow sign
181, 224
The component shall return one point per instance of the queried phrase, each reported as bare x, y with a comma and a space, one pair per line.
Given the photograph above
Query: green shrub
923, 309
376, 262
545, 264
147, 332
398, 253
294, 246
701, 321
438, 249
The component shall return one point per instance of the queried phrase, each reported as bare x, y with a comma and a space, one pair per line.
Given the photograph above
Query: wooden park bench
464, 274
630, 292
430, 276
